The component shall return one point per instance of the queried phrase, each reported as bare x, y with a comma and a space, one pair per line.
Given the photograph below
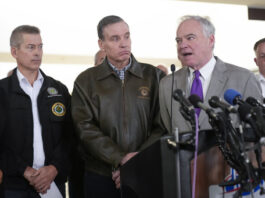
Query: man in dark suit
195, 43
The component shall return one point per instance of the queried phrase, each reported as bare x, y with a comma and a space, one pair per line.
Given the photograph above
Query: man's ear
14, 52
212, 40
101, 44
255, 60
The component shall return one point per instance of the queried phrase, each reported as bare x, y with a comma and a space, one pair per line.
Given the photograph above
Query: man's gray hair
16, 37
207, 26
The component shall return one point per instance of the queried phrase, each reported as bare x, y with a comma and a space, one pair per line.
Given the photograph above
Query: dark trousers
21, 194
1, 191
76, 178
98, 186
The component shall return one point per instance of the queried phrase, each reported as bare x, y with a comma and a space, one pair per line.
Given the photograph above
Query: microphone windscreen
178, 94
172, 67
194, 100
230, 95
252, 101
244, 110
213, 101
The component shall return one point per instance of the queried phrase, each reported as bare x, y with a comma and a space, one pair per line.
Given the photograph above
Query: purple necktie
196, 88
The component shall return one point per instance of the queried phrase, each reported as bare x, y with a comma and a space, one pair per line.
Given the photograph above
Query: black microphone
244, 111
216, 102
233, 97
254, 102
186, 109
197, 103
172, 67
180, 97
246, 114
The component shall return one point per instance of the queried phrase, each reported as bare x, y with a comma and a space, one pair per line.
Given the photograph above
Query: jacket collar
217, 83
15, 87
105, 70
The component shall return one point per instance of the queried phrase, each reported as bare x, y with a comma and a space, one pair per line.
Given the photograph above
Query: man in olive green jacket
115, 109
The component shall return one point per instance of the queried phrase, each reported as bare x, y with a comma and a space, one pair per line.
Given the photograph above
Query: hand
28, 173
116, 178
127, 157
116, 174
43, 178
1, 176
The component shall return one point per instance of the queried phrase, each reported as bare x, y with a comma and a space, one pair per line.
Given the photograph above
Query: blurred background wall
68, 29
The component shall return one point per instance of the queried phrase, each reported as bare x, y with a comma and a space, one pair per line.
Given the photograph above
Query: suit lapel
217, 84
182, 80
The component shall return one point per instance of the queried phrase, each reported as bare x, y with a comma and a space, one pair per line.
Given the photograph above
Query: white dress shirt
205, 77
33, 92
38, 151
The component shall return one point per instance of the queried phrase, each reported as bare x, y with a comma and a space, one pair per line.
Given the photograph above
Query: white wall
69, 27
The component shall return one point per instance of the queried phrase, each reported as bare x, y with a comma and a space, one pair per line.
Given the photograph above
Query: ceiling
249, 3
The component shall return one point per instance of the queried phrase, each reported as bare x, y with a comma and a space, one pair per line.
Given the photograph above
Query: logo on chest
58, 109
144, 92
52, 92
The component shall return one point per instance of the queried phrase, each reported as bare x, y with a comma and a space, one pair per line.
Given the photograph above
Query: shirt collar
206, 70
124, 69
22, 78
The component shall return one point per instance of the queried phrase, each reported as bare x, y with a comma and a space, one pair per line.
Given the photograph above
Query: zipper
124, 132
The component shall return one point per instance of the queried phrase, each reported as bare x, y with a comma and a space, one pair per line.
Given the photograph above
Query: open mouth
186, 54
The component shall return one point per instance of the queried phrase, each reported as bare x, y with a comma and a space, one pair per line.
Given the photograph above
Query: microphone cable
172, 67
195, 155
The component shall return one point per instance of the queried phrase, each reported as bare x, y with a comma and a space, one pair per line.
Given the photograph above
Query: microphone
216, 102
254, 102
197, 103
246, 114
244, 111
180, 97
172, 67
233, 97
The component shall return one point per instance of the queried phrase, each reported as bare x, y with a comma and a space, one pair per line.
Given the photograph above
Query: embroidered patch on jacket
144, 93
58, 109
53, 92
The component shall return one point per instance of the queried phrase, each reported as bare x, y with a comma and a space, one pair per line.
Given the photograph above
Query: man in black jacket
35, 159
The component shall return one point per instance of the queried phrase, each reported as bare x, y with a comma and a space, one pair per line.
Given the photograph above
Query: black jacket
115, 117
17, 137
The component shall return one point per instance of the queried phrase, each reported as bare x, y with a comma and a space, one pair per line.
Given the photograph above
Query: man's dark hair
258, 43
107, 21
16, 37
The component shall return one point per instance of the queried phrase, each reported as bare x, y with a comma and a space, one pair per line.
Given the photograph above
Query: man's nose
182, 44
124, 42
38, 51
